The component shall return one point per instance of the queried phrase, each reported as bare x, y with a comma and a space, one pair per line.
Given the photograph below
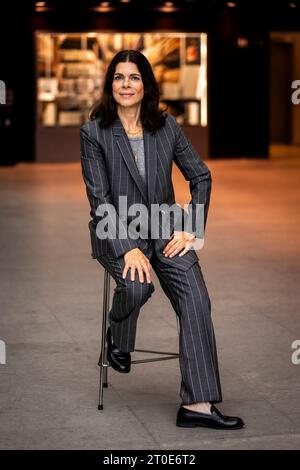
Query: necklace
134, 133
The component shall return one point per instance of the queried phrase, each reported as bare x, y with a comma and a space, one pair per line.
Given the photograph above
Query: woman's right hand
135, 259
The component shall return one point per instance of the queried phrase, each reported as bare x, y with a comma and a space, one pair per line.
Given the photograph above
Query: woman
127, 150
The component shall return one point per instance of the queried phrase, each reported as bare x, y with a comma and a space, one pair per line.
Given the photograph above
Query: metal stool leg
103, 359
107, 297
103, 346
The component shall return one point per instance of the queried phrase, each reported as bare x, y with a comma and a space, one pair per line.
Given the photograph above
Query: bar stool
103, 363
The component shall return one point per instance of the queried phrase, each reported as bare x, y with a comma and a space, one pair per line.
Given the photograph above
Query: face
127, 85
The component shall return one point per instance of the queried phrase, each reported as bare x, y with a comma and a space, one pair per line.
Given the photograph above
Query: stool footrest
154, 359
167, 356
156, 352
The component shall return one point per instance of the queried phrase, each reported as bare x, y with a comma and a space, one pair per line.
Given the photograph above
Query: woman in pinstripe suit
127, 149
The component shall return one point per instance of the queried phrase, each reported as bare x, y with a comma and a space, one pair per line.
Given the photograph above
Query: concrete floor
50, 316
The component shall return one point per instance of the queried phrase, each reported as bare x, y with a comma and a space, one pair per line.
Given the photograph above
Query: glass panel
71, 69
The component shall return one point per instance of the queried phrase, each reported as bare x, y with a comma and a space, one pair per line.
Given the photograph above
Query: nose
126, 82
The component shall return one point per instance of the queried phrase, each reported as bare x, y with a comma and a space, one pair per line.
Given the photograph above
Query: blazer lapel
150, 159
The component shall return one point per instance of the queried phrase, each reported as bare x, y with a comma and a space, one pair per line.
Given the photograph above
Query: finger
176, 246
140, 273
184, 252
125, 270
132, 273
170, 242
188, 246
175, 252
180, 246
147, 272
169, 246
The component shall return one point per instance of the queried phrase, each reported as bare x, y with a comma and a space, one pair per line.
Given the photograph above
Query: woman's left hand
179, 241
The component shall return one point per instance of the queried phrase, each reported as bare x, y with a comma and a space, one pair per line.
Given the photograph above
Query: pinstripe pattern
109, 171
188, 295
198, 358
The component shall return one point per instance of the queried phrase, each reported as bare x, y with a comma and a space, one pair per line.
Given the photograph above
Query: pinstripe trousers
189, 297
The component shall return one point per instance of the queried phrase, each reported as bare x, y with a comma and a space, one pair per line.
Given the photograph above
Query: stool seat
103, 363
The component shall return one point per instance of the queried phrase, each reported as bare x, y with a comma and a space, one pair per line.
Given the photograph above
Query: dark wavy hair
152, 116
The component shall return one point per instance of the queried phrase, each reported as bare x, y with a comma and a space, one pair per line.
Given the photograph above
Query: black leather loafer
189, 419
119, 360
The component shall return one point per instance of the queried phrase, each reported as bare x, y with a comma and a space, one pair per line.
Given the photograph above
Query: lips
126, 94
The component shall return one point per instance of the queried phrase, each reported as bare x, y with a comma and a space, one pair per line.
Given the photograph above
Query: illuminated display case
71, 69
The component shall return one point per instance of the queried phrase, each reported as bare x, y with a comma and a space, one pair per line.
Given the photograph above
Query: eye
117, 77
136, 77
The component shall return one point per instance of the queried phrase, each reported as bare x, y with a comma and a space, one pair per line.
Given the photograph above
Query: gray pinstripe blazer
109, 171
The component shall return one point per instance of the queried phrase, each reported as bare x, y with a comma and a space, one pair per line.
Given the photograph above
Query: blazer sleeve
97, 188
198, 174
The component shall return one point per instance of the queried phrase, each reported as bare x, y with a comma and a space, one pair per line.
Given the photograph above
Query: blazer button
123, 217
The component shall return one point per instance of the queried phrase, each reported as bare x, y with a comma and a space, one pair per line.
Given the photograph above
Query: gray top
137, 145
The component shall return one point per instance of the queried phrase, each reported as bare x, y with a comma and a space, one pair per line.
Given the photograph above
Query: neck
130, 117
